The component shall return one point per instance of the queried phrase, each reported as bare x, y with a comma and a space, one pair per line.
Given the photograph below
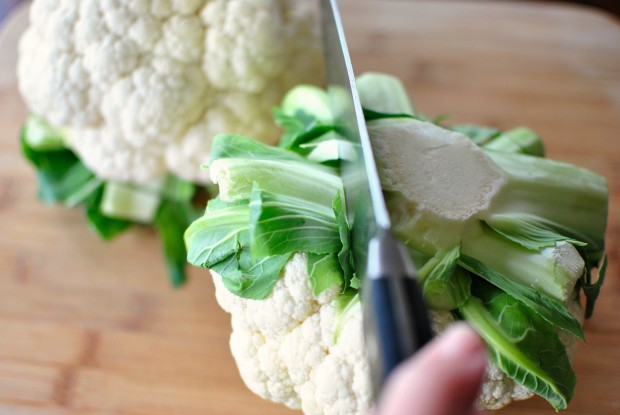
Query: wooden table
93, 328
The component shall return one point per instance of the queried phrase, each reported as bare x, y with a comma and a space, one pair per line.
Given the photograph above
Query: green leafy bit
331, 148
248, 241
345, 256
592, 289
553, 271
110, 207
550, 309
249, 232
42, 136
173, 217
382, 94
227, 146
311, 182
310, 100
131, 202
305, 114
250, 277
519, 140
220, 240
478, 134
324, 271
528, 231
299, 129
220, 233
371, 115
105, 226
171, 221
61, 175
445, 287
521, 344
281, 224
344, 306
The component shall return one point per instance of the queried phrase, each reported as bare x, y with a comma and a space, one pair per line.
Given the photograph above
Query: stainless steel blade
361, 178
396, 323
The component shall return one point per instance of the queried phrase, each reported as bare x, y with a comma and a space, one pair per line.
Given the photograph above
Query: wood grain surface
93, 328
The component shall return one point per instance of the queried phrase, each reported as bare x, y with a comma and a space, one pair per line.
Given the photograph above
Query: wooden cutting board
93, 328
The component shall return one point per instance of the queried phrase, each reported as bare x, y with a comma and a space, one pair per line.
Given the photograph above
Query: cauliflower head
141, 86
285, 350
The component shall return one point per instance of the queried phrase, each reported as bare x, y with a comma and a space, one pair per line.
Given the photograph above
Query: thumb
443, 379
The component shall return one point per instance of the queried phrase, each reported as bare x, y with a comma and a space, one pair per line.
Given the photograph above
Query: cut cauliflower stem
285, 350
141, 86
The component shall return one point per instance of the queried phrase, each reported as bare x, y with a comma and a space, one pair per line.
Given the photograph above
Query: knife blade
396, 322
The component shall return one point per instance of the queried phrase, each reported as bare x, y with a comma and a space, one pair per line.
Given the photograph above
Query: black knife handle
396, 322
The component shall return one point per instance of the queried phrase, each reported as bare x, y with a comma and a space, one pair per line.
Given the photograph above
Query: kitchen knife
396, 320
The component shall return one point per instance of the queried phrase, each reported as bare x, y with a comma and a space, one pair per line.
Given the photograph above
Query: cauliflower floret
498, 390
292, 358
142, 86
285, 350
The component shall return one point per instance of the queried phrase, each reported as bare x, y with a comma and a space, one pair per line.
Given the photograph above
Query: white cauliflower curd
141, 86
285, 349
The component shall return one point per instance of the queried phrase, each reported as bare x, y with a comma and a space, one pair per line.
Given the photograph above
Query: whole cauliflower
285, 350
141, 86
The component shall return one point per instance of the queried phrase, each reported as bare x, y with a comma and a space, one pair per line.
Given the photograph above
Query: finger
442, 379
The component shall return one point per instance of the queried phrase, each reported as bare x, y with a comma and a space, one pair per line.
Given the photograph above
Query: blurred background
6, 6
610, 5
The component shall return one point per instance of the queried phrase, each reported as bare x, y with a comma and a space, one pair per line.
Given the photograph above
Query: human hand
442, 379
